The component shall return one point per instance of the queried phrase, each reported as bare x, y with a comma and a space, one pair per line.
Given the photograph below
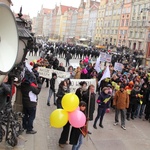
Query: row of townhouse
66, 22
124, 22
116, 22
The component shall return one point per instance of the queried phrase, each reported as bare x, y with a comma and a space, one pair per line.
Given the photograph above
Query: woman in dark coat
76, 134
63, 89
81, 90
89, 98
103, 103
147, 109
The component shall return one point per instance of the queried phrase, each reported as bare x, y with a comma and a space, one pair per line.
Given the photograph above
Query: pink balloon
77, 118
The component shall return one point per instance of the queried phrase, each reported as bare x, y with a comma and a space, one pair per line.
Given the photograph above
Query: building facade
93, 13
124, 24
139, 23
100, 23
79, 20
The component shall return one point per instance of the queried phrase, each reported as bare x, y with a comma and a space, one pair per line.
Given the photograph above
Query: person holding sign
103, 103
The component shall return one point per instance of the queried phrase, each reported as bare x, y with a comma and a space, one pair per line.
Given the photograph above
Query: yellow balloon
70, 102
59, 118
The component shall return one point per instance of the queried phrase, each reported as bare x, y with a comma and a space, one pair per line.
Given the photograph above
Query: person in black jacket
5, 90
103, 103
147, 108
68, 57
89, 98
52, 89
61, 67
76, 134
134, 101
30, 88
62, 90
80, 91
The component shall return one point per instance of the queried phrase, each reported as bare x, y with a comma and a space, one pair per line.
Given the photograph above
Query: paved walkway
136, 137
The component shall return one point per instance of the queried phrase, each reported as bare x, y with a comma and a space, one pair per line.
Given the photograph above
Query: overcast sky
31, 7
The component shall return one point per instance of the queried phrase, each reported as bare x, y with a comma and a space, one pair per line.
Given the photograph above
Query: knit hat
104, 89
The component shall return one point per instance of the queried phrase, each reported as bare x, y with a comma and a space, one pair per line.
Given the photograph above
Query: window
131, 33
127, 22
122, 23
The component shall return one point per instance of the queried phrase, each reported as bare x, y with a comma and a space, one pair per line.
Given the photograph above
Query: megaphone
8, 40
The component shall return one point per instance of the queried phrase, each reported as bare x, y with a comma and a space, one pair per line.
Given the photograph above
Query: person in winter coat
76, 134
52, 89
61, 67
147, 108
30, 88
80, 91
77, 73
134, 101
68, 57
141, 105
103, 103
62, 90
121, 102
89, 98
5, 90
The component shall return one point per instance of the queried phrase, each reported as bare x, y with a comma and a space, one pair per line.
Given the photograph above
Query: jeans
76, 147
123, 113
29, 116
100, 114
140, 109
51, 92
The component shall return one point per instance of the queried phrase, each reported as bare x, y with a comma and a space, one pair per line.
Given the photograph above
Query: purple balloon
77, 118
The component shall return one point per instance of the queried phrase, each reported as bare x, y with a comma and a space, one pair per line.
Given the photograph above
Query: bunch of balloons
70, 112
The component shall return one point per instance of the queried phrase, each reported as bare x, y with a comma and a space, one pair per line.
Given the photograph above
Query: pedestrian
147, 108
77, 73
5, 90
30, 88
68, 57
134, 101
52, 89
61, 67
62, 90
89, 98
103, 103
121, 102
81, 90
76, 135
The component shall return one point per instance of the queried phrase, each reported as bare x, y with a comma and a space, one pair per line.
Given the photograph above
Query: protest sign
47, 73
118, 67
105, 57
75, 83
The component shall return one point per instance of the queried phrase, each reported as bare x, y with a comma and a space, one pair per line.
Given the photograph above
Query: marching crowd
126, 91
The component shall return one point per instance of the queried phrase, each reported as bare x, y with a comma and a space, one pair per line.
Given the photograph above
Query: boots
94, 126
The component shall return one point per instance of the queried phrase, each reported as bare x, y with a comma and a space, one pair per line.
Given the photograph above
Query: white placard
75, 83
118, 67
47, 73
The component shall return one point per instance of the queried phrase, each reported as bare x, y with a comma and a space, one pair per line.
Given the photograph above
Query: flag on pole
106, 74
97, 65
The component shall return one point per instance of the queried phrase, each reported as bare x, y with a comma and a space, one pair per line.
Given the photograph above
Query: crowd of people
127, 91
